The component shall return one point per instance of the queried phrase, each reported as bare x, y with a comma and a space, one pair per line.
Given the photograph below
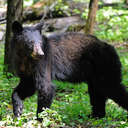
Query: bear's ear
39, 26
16, 27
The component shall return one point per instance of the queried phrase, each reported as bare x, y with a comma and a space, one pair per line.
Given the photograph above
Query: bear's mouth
36, 56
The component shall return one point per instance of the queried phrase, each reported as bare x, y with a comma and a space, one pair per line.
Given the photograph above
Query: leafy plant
28, 2
51, 119
112, 24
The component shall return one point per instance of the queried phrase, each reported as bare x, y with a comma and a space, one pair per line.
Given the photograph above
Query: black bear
72, 57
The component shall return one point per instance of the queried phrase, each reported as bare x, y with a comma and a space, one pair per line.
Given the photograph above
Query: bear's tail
120, 96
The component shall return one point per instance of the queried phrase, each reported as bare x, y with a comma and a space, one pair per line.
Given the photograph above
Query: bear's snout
37, 51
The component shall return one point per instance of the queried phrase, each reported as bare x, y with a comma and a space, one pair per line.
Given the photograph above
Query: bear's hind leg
23, 90
97, 102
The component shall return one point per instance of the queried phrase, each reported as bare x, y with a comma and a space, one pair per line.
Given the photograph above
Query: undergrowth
70, 107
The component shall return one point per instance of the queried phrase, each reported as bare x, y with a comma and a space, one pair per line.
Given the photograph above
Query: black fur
72, 57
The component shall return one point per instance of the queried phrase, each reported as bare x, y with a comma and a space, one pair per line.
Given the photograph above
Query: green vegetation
111, 23
71, 105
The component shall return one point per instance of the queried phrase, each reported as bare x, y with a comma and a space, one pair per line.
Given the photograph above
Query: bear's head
28, 41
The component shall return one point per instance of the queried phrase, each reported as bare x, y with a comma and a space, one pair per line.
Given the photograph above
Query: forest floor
70, 108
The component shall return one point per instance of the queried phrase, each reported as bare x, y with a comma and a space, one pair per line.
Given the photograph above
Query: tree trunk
93, 6
126, 1
14, 12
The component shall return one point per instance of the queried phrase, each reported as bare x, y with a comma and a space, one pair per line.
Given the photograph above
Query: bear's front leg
25, 89
17, 103
45, 96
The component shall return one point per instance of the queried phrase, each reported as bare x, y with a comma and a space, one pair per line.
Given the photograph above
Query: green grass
70, 107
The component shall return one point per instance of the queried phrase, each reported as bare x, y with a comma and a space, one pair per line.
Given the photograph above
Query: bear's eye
32, 42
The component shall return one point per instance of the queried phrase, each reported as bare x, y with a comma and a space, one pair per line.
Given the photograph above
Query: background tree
93, 6
126, 1
14, 12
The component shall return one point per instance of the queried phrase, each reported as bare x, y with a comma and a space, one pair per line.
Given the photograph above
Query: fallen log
66, 24
60, 23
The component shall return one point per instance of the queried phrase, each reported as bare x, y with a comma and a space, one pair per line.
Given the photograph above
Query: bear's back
68, 52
